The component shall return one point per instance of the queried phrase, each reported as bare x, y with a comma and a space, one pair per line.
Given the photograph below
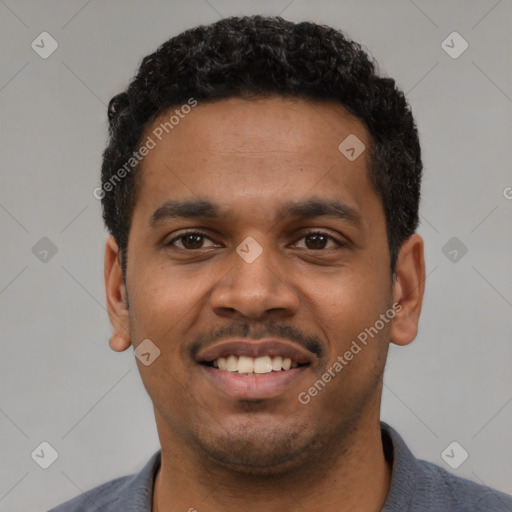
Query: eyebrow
307, 209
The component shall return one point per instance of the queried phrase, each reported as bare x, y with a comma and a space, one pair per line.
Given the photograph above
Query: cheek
356, 356
351, 298
163, 305
162, 297
347, 307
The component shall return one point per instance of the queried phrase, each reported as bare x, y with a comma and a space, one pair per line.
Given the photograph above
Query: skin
219, 453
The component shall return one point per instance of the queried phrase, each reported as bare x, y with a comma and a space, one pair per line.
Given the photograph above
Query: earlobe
408, 290
118, 343
117, 305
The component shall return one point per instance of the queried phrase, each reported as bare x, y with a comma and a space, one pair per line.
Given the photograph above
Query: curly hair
258, 56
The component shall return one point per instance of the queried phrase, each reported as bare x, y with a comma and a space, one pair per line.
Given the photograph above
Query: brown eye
318, 240
190, 241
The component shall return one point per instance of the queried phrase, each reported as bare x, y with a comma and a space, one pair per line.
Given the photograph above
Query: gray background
60, 381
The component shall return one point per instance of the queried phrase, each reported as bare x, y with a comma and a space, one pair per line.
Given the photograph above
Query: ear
408, 290
117, 305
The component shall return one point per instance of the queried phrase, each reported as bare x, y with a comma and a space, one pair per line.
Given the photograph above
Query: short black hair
255, 57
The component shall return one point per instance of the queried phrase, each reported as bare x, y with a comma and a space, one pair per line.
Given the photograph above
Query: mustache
270, 330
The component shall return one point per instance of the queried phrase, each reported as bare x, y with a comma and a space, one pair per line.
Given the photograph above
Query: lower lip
252, 387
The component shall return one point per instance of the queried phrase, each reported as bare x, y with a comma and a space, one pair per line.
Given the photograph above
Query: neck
354, 476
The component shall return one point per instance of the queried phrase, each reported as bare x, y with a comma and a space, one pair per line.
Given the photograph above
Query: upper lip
255, 348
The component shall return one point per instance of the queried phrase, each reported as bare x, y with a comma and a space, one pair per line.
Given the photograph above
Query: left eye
320, 238
194, 240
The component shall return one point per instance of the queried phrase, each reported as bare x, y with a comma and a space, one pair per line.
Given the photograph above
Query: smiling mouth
254, 366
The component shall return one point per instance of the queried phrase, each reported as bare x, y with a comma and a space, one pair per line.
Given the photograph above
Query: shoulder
103, 497
446, 491
133, 492
422, 486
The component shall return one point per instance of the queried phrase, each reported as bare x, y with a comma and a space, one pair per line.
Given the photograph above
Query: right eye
190, 240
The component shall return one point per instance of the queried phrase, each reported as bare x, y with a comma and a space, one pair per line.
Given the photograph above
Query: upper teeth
245, 364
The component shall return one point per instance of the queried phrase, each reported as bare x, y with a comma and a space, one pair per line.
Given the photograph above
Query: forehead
259, 125
246, 153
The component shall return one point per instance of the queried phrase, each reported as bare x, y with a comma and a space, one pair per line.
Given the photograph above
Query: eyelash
205, 235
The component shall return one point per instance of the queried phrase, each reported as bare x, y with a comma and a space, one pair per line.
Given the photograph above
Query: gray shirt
416, 486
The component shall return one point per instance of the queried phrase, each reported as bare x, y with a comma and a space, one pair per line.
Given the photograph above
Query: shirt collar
404, 470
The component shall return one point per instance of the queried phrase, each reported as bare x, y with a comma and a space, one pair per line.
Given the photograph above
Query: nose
253, 288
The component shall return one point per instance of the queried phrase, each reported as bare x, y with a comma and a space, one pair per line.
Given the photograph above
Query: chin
253, 451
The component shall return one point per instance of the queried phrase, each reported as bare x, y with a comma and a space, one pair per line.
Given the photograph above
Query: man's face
190, 294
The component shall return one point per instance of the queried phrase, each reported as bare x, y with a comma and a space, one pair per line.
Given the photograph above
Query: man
261, 186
